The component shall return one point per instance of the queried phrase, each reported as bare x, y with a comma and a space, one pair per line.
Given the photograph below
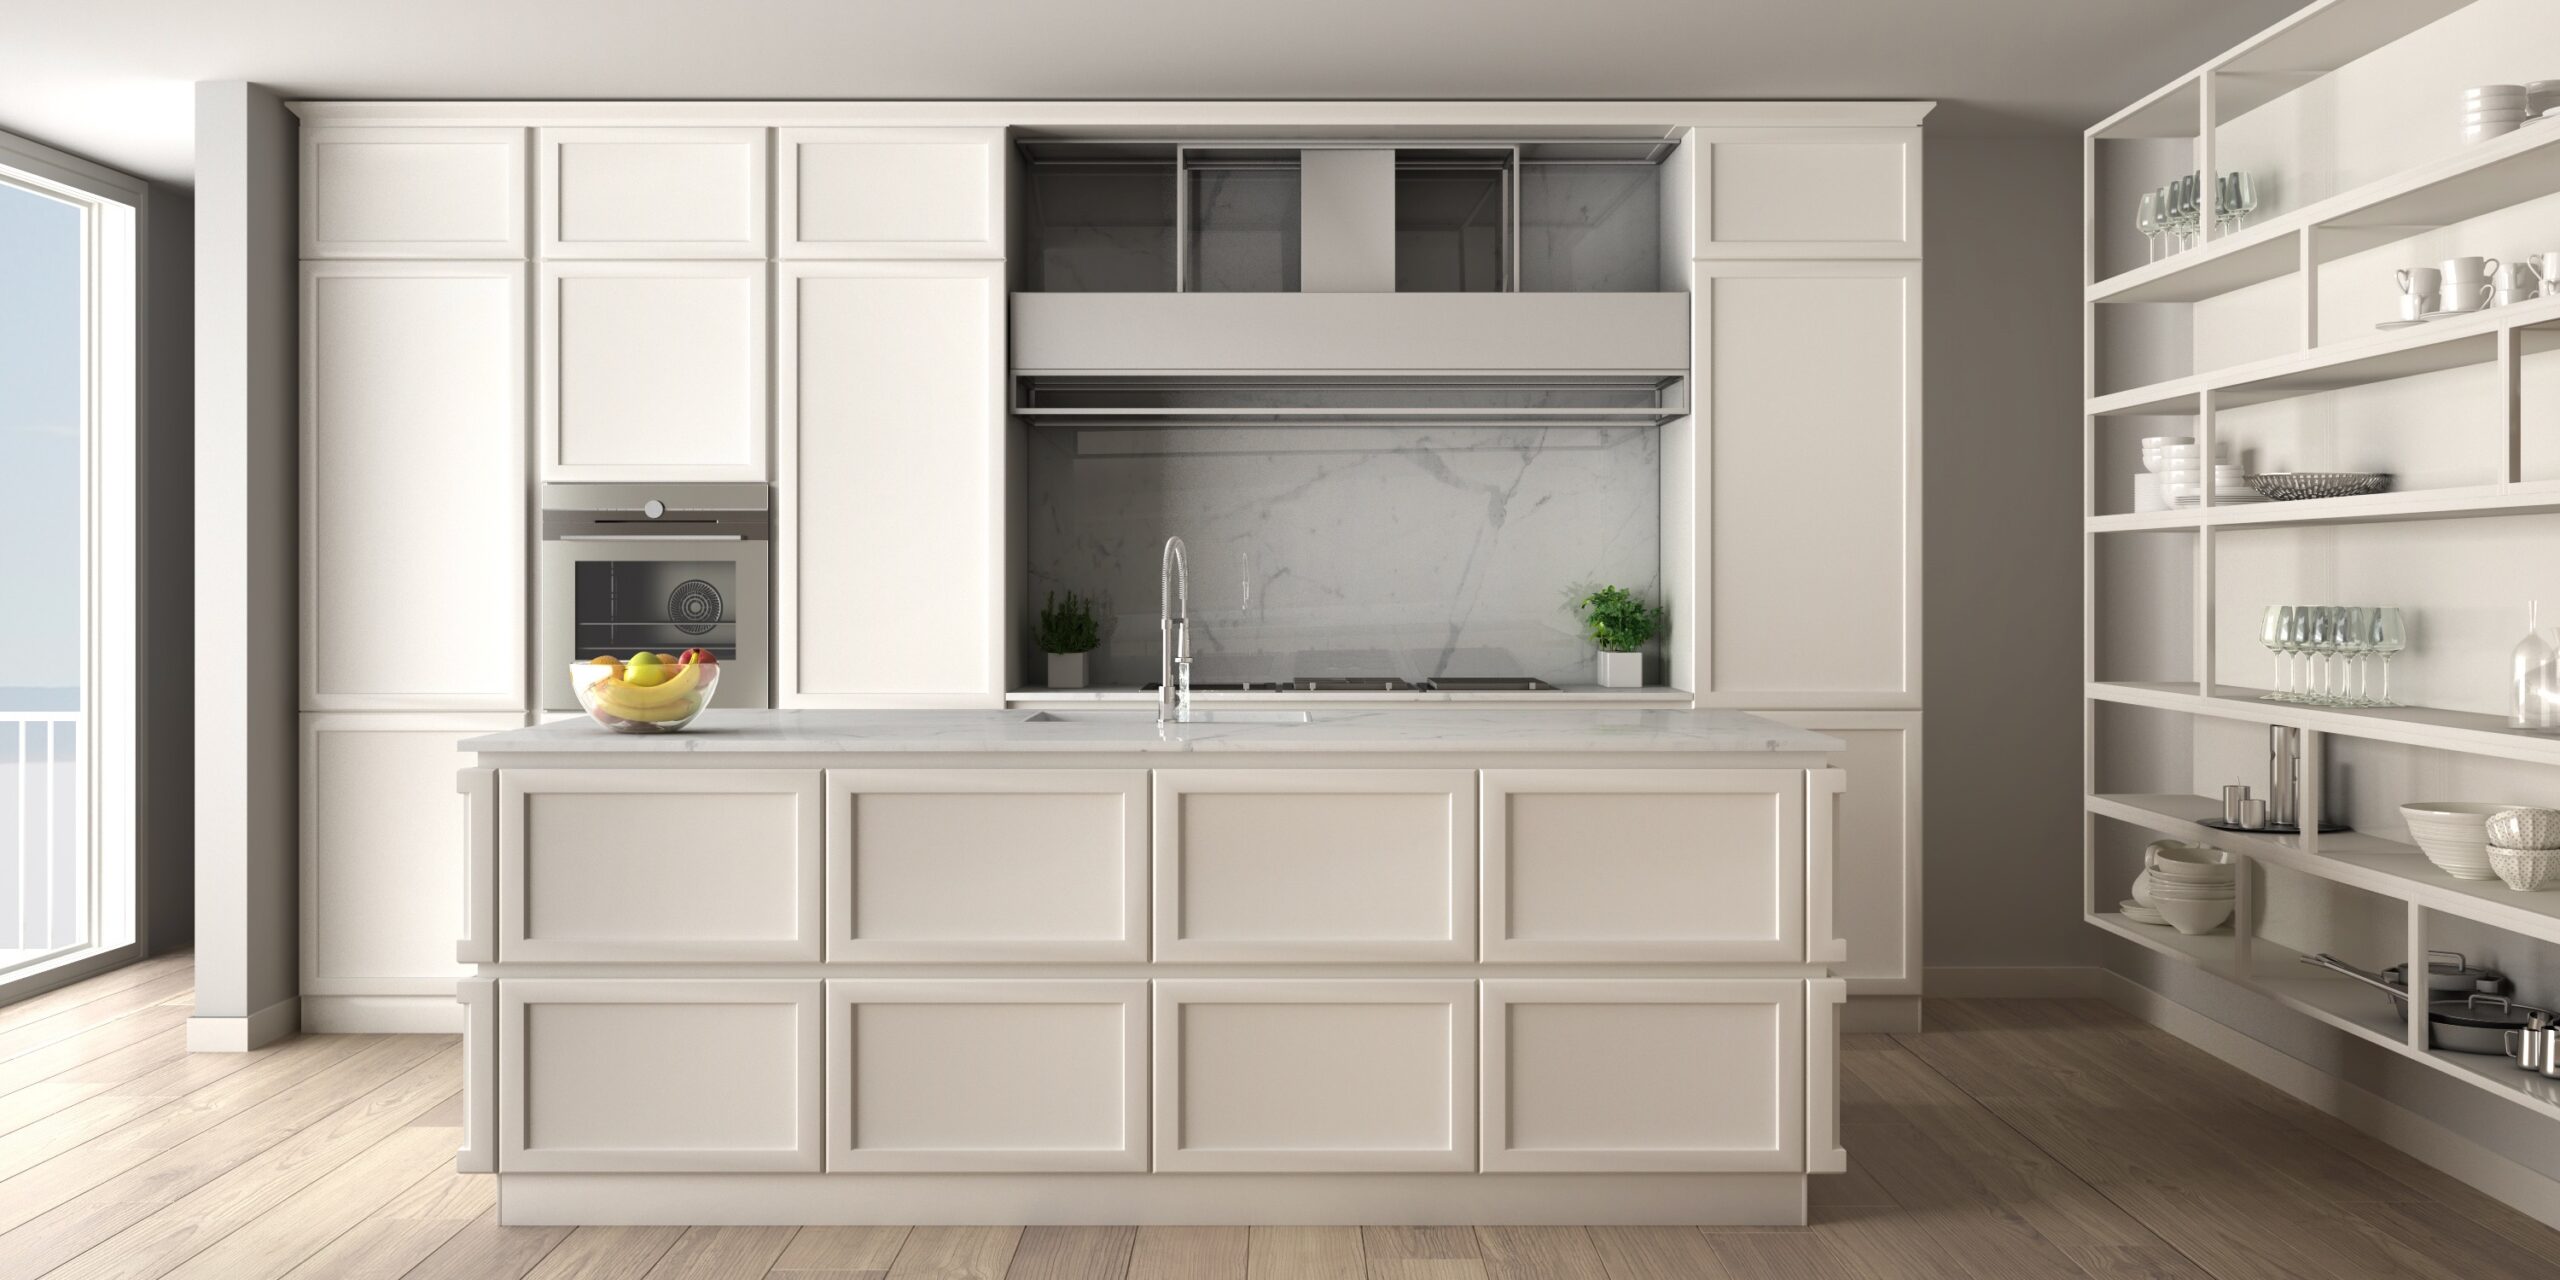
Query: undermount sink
1148, 717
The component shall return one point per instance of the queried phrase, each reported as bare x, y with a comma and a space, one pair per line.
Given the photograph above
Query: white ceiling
113, 80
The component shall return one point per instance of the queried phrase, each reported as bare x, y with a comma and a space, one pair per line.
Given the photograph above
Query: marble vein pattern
1415, 552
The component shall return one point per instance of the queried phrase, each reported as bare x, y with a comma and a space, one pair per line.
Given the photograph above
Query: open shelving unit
2393, 876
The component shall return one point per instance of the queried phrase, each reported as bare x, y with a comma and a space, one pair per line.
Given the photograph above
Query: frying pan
2474, 1023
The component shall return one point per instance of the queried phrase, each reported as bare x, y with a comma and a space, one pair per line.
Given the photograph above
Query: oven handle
651, 537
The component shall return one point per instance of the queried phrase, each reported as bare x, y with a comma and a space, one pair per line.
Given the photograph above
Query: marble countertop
1327, 730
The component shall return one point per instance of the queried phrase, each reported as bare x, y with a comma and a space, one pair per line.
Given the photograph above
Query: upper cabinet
412, 193
652, 193
1807, 193
652, 371
891, 193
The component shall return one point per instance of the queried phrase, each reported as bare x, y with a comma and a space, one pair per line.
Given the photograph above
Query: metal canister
2284, 775
2536, 1046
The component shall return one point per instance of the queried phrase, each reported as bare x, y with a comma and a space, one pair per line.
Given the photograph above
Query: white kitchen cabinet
652, 371
1644, 864
1644, 1075
650, 1075
986, 864
1876, 858
1315, 864
984, 1075
891, 193
412, 471
652, 193
892, 485
696, 864
1807, 193
1811, 377
1310, 1075
384, 881
479, 1000
412, 193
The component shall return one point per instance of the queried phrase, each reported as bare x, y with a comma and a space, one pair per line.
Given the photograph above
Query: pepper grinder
2284, 776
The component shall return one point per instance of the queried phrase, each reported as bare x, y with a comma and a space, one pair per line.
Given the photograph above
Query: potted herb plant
1620, 622
1067, 633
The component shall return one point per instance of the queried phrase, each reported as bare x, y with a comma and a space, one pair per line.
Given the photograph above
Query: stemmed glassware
2390, 635
2275, 631
2170, 217
2323, 652
2147, 220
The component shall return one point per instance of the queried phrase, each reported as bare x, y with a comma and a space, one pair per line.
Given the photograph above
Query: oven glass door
666, 606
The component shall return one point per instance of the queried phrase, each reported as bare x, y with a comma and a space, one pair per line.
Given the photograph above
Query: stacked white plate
2182, 482
2541, 96
2490, 110
2191, 887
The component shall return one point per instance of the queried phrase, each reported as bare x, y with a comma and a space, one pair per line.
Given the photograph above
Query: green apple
644, 670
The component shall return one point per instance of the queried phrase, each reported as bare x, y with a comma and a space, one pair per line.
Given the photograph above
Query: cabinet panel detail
1314, 1075
1643, 1075
652, 371
655, 1075
892, 193
653, 193
1876, 856
659, 864
413, 193
1283, 864
986, 864
1809, 193
986, 1075
1643, 864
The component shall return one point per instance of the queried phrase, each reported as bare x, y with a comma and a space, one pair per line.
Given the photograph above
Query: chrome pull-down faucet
1173, 595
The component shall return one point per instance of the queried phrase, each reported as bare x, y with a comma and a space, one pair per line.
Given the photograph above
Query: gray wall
2001, 638
165, 827
245, 456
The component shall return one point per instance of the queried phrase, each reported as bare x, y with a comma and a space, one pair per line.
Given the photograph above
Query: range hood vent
1548, 400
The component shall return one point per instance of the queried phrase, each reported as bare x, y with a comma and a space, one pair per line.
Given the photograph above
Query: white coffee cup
2419, 282
2546, 271
2414, 306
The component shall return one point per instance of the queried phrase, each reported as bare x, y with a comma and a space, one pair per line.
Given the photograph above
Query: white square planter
1621, 670
1066, 670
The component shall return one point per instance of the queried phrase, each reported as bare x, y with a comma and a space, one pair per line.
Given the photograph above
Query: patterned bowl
2295, 486
2525, 829
2526, 870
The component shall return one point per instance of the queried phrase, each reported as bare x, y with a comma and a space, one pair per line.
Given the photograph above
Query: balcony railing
45, 881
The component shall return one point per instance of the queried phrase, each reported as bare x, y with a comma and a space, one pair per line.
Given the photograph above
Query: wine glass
2355, 640
2146, 219
2324, 645
2390, 636
2244, 199
2271, 633
2300, 640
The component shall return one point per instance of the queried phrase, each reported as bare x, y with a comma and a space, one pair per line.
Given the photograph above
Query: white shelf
2352, 858
2452, 343
2481, 178
2464, 731
2318, 39
2278, 973
2539, 497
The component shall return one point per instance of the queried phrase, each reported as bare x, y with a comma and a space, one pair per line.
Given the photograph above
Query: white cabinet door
983, 1075
1875, 855
1807, 193
891, 193
652, 193
658, 864
892, 480
384, 873
647, 1075
1644, 1075
652, 371
1315, 864
414, 511
1811, 377
1315, 1075
1644, 864
986, 864
412, 193
479, 1150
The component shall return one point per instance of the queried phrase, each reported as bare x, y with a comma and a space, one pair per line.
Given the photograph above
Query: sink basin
1149, 717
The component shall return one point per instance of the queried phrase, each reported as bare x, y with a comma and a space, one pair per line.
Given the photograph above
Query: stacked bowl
2524, 848
2490, 110
2454, 834
2192, 887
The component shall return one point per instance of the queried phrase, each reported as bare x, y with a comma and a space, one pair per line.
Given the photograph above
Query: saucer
2411, 324
2140, 914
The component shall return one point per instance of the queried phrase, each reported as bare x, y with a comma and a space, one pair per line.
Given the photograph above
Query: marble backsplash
1414, 552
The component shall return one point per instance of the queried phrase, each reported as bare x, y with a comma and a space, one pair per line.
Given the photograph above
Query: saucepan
2472, 1023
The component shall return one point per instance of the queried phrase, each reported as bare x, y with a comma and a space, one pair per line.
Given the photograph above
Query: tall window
67, 276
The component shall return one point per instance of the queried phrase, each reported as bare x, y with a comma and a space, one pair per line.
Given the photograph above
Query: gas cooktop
1373, 684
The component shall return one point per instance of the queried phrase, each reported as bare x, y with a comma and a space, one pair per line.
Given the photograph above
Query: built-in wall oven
662, 567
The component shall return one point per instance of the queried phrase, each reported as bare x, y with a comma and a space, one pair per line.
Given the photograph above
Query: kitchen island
1393, 966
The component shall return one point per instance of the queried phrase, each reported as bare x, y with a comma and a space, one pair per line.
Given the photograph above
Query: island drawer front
647, 1075
1315, 1075
659, 864
1678, 865
986, 864
972, 1075
1314, 864
1644, 1075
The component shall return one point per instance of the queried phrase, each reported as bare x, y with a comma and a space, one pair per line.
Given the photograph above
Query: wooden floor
2011, 1138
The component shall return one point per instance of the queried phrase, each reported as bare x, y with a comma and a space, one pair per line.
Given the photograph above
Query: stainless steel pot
2451, 973
2473, 1023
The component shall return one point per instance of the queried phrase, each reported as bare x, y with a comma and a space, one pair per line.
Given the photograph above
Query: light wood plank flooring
2012, 1138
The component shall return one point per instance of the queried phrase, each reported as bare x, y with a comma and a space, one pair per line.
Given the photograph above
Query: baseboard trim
240, 1035
2010, 982
381, 1015
2492, 1174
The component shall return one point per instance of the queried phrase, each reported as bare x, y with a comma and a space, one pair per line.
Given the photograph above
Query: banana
675, 689
645, 715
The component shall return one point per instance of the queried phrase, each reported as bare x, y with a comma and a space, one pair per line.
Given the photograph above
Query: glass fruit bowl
648, 693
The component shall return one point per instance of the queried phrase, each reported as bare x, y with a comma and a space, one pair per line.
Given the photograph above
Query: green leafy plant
1619, 620
1068, 626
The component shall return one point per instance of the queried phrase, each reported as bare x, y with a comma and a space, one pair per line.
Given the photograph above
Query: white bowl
2479, 91
2484, 132
2454, 834
2160, 442
2192, 917
2181, 853
2157, 881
